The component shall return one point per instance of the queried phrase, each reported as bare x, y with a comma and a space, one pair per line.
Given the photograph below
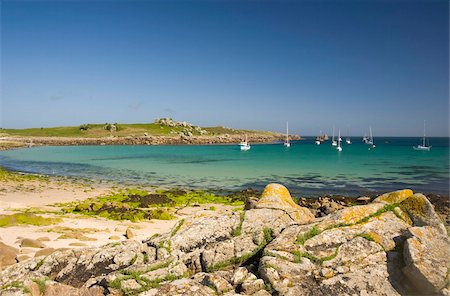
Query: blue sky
238, 64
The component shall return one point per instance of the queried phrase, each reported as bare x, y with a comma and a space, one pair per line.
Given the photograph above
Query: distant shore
11, 142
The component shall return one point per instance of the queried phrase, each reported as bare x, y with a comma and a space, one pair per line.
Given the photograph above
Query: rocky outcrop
276, 196
393, 246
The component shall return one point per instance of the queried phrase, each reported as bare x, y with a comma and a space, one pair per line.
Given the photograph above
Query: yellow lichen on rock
276, 196
402, 215
394, 197
355, 214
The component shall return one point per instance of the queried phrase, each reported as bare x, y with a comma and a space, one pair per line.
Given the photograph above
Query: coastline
12, 142
32, 194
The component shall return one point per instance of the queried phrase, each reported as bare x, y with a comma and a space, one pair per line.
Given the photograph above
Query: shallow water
305, 168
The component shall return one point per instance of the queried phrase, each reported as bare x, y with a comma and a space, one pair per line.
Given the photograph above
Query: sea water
305, 168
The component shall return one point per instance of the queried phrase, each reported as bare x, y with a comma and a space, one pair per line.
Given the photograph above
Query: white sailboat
320, 138
424, 146
370, 139
286, 143
348, 141
364, 139
333, 141
339, 148
245, 145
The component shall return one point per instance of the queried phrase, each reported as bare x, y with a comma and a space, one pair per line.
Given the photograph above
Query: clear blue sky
238, 64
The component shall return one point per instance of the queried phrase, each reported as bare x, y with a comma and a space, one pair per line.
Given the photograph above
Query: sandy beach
18, 194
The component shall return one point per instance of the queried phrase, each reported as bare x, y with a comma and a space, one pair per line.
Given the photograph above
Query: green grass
301, 239
175, 230
26, 219
238, 230
366, 236
145, 283
131, 129
41, 283
298, 255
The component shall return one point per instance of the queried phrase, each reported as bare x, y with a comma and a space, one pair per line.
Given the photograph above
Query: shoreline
12, 142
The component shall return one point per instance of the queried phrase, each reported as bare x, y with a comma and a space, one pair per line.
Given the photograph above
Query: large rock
422, 212
276, 196
31, 243
345, 253
427, 259
7, 255
394, 197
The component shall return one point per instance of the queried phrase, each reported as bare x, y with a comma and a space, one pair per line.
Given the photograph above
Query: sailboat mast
424, 134
339, 136
287, 132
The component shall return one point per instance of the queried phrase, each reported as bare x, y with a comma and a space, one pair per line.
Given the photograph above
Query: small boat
370, 139
333, 141
245, 145
286, 143
339, 148
424, 146
321, 138
365, 139
348, 141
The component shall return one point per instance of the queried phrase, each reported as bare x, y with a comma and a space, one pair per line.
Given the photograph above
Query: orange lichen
276, 196
395, 196
415, 204
356, 213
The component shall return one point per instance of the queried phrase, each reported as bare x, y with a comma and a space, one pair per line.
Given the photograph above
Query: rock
44, 252
57, 289
129, 233
427, 259
130, 284
7, 255
261, 293
217, 282
43, 239
185, 287
31, 243
21, 258
114, 237
250, 203
394, 197
251, 286
77, 244
276, 196
422, 212
239, 275
363, 199
27, 251
360, 250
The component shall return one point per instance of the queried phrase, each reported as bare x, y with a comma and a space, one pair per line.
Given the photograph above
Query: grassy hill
135, 129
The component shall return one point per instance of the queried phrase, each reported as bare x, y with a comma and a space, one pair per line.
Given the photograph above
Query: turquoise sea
305, 168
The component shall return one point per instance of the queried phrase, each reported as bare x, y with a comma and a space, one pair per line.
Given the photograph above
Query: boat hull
422, 148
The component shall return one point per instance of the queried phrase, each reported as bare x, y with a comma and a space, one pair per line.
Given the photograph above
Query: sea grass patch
26, 219
137, 205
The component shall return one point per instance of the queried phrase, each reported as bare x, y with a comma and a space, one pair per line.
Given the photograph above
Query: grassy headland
161, 131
